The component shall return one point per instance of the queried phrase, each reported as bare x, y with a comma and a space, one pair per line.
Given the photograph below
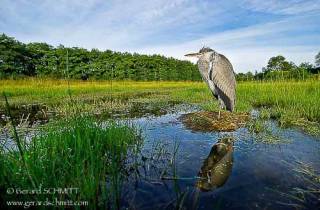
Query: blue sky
248, 32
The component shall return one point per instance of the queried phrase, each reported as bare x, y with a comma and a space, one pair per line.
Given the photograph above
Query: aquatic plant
78, 152
306, 196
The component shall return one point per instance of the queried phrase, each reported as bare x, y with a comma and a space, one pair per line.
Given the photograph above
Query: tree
249, 76
276, 63
317, 59
15, 57
279, 63
278, 67
289, 66
39, 54
306, 65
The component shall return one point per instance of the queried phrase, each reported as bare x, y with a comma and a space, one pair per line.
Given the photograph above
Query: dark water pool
252, 174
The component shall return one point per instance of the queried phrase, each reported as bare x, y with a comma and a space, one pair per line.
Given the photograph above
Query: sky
248, 32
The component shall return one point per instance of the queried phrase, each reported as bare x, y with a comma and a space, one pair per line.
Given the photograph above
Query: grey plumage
217, 71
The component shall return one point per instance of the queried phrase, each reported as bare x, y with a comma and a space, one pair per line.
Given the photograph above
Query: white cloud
172, 27
283, 6
243, 49
118, 25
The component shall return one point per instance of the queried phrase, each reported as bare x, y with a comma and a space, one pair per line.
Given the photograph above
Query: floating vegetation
263, 132
311, 128
308, 196
97, 107
33, 112
210, 121
256, 126
264, 114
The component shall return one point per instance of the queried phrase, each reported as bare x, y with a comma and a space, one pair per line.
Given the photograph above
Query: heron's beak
193, 55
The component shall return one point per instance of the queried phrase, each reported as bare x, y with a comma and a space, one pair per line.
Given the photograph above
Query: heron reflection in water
217, 167
213, 174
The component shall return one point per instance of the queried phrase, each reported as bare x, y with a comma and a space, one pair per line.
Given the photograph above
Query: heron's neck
203, 65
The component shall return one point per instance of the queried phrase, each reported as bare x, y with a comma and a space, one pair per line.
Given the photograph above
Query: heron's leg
221, 106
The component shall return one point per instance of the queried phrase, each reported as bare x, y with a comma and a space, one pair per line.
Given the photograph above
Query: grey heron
217, 71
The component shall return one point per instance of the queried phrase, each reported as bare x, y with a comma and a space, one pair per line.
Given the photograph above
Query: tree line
41, 59
278, 68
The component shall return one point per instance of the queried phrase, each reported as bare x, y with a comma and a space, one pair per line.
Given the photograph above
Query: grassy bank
299, 97
80, 153
290, 102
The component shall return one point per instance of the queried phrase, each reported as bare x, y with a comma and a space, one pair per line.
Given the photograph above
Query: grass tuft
77, 152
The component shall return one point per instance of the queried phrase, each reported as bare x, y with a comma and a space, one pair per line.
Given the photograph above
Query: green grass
287, 101
76, 152
300, 99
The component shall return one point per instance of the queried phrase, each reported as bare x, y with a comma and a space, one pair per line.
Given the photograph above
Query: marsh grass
292, 103
78, 152
262, 132
285, 101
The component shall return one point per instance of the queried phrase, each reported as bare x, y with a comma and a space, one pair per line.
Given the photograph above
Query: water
256, 175
250, 173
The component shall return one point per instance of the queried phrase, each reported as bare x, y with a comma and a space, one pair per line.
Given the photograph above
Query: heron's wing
213, 88
223, 77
